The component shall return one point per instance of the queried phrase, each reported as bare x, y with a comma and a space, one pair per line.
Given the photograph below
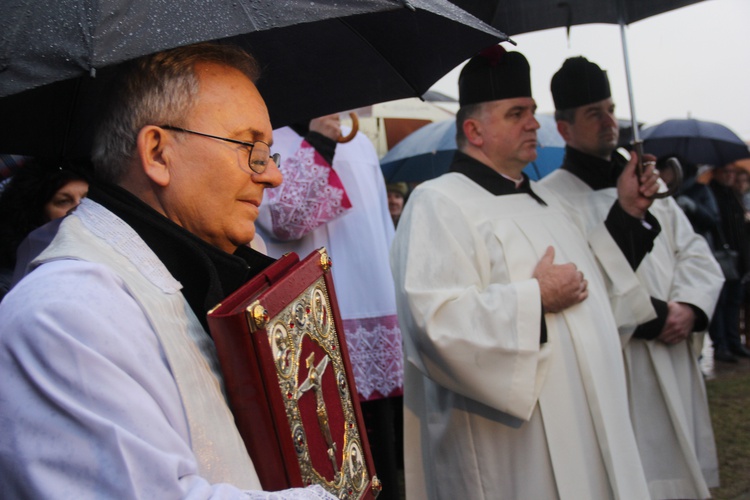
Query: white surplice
357, 240
667, 393
110, 386
489, 413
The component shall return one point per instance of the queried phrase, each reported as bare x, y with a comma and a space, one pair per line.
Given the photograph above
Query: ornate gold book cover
289, 381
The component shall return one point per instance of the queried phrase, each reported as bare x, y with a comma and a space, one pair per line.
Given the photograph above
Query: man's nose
271, 177
609, 120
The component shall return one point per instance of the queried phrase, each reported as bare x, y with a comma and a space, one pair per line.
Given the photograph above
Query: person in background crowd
36, 194
397, 193
724, 330
695, 199
742, 187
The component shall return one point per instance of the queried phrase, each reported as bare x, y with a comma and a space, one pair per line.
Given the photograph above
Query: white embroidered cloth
311, 195
358, 241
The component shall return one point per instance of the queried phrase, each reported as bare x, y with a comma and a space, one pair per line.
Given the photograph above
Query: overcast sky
690, 62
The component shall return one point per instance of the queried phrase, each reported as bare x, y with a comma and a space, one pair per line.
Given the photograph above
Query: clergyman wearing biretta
514, 379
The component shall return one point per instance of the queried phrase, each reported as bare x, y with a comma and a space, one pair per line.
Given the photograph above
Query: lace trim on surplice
376, 355
311, 195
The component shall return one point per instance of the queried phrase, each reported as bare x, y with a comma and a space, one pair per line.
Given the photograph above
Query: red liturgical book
290, 385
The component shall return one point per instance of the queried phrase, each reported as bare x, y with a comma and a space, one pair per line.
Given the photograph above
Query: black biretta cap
579, 82
494, 74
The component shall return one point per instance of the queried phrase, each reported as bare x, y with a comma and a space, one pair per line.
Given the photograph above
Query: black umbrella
698, 141
523, 16
319, 56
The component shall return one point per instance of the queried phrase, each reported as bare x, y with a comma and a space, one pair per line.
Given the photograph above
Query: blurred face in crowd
742, 181
395, 203
594, 130
725, 176
66, 199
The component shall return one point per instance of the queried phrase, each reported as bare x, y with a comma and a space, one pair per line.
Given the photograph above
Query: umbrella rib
395, 70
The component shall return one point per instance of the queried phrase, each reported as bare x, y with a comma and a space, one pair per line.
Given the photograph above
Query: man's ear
152, 143
564, 128
473, 132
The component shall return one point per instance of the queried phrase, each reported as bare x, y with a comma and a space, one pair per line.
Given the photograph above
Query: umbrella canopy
427, 153
698, 141
318, 57
524, 16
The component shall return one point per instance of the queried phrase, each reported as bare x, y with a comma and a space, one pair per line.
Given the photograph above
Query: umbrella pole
637, 144
633, 121
671, 163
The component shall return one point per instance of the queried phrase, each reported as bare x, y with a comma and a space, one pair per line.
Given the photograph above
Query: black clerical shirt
489, 179
207, 274
596, 172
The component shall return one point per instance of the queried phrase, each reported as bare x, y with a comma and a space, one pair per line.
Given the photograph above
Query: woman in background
36, 194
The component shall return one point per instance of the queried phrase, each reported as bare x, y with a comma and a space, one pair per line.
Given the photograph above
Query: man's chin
245, 239
531, 156
529, 152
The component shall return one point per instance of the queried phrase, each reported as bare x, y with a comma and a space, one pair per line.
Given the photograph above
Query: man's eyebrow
522, 107
591, 109
255, 134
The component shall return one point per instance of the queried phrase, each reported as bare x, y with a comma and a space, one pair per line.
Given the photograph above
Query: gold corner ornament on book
289, 382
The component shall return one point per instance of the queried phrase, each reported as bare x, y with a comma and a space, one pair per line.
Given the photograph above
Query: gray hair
566, 115
463, 114
155, 90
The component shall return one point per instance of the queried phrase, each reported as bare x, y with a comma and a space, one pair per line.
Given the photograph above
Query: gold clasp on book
325, 260
376, 486
259, 316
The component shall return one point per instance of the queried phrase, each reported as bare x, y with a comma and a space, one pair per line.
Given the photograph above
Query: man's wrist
634, 212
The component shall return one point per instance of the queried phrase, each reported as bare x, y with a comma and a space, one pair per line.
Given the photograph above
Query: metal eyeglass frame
276, 157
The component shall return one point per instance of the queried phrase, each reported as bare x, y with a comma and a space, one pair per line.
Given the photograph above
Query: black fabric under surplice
596, 172
206, 273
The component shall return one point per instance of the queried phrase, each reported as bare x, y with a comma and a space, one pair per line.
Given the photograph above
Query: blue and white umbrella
427, 152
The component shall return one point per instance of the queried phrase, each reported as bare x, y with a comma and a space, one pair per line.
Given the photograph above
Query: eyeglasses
260, 152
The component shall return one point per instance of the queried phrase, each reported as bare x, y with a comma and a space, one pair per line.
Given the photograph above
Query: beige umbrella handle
355, 127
